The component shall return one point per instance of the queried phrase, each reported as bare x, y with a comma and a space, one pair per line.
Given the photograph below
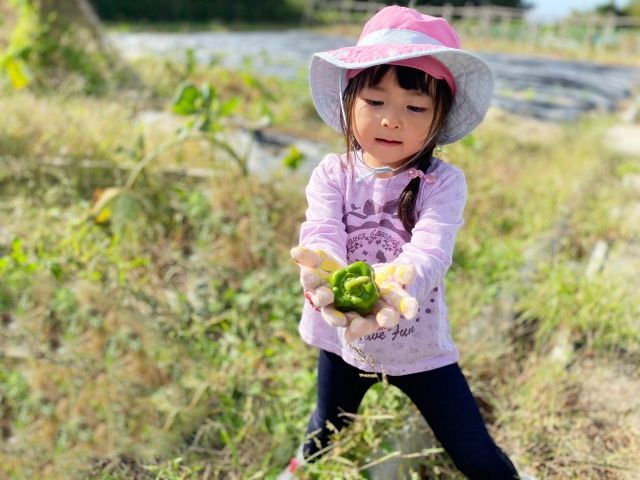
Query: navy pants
442, 396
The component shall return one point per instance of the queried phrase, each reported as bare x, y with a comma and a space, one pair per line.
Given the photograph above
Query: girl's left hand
394, 302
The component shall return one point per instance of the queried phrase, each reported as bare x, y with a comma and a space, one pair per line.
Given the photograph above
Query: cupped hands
392, 279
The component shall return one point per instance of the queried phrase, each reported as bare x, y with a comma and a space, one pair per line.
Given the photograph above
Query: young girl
403, 89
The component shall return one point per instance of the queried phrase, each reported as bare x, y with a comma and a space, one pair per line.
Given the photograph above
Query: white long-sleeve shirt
358, 220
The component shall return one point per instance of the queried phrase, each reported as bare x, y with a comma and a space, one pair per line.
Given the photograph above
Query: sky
555, 9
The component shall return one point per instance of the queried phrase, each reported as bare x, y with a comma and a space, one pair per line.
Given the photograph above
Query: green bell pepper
354, 288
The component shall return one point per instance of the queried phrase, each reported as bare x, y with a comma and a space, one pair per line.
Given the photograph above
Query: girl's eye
416, 109
374, 103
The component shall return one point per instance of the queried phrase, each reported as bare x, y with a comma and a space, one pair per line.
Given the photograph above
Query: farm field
149, 309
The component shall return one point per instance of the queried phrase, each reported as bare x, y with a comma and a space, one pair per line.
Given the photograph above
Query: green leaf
17, 253
188, 99
293, 159
227, 108
56, 270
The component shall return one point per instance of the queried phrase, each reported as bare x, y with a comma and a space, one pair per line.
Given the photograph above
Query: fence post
447, 11
485, 21
591, 38
308, 14
533, 33
609, 30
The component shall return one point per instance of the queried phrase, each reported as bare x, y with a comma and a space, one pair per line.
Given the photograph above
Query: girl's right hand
316, 266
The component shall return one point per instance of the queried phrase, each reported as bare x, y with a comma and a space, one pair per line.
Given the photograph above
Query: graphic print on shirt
373, 232
378, 234
405, 329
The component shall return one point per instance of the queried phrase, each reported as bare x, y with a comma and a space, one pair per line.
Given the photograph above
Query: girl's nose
390, 121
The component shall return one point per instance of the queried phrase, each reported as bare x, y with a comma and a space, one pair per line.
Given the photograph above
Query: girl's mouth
388, 143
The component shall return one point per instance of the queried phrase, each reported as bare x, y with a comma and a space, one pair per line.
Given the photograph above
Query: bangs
406, 77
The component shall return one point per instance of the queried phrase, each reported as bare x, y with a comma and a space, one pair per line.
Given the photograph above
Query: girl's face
391, 124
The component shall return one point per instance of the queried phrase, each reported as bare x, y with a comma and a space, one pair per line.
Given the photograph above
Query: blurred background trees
200, 10
632, 8
238, 10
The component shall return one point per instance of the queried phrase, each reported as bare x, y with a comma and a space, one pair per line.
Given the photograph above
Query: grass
165, 345
99, 369
86, 126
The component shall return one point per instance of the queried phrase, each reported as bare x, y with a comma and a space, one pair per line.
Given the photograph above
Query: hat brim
474, 81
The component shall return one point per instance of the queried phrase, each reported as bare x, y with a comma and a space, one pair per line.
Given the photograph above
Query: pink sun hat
403, 36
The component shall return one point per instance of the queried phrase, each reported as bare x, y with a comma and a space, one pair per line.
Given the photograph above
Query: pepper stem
356, 282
